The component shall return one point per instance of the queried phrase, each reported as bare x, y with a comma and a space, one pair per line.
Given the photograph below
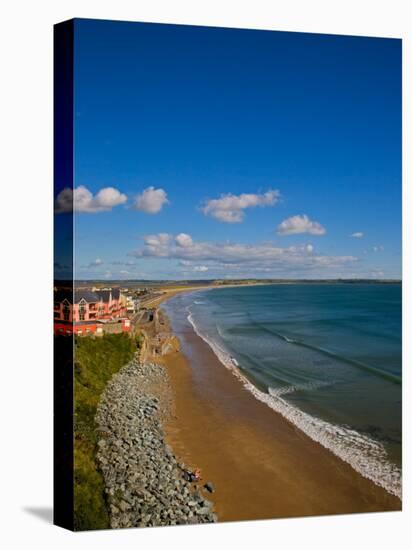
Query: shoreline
244, 443
319, 431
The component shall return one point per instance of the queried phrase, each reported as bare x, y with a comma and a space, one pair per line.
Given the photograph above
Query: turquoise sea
328, 357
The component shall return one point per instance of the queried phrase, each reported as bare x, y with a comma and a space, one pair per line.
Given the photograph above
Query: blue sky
211, 153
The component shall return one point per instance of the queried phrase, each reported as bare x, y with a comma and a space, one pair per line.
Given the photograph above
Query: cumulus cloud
155, 243
357, 235
224, 255
200, 268
378, 248
151, 200
82, 200
230, 208
300, 224
184, 240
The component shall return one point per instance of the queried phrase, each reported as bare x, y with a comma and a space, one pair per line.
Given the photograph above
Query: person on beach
192, 476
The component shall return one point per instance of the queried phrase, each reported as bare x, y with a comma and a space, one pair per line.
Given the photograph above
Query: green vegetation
96, 360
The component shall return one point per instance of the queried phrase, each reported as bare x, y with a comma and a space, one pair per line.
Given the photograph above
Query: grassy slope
96, 360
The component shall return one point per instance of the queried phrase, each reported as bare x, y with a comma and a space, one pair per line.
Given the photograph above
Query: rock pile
144, 481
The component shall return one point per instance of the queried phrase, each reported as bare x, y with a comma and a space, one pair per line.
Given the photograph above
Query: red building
90, 312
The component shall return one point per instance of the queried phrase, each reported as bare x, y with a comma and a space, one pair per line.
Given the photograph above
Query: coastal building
132, 304
90, 312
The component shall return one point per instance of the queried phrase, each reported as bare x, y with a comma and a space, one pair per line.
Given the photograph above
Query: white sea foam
277, 392
364, 454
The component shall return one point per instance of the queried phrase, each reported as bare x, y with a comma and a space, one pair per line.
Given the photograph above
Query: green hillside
96, 360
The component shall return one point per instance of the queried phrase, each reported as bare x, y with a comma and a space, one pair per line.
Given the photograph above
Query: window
82, 310
66, 312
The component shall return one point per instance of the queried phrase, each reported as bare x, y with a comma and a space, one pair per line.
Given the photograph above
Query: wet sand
261, 465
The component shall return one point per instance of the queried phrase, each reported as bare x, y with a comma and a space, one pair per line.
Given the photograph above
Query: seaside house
85, 312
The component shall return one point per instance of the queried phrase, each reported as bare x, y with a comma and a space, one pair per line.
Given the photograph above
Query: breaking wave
306, 386
367, 456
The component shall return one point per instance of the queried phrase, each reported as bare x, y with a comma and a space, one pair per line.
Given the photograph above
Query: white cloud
154, 244
300, 224
230, 208
357, 235
200, 268
64, 201
82, 200
184, 240
378, 248
160, 239
95, 263
221, 256
151, 200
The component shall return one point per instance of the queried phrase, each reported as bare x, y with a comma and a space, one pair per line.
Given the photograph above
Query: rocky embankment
144, 481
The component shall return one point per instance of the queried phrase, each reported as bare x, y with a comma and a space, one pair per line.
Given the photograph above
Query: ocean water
326, 357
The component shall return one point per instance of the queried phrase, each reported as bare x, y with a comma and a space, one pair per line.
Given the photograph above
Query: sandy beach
261, 465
